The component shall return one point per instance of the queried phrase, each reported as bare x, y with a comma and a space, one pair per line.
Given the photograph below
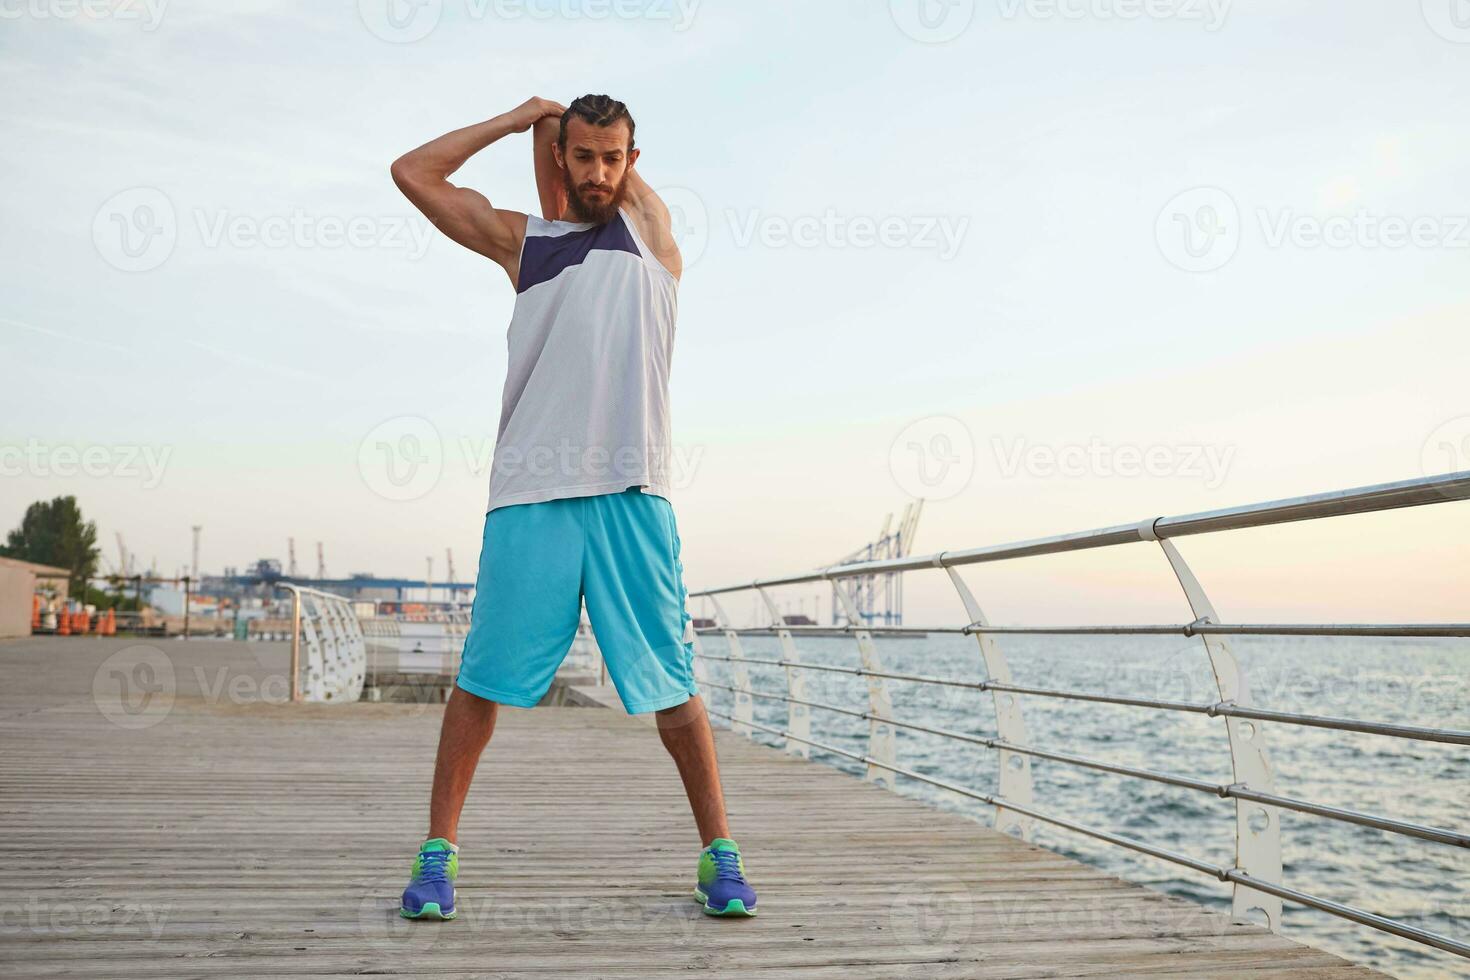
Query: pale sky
1105, 259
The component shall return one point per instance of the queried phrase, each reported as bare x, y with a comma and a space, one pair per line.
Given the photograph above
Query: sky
1050, 264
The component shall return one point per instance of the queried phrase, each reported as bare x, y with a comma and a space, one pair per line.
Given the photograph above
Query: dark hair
599, 110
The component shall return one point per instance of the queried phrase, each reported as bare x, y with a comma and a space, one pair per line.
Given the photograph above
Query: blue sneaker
430, 895
722, 888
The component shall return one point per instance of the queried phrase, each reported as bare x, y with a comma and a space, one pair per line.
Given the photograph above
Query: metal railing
335, 662
1256, 876
429, 644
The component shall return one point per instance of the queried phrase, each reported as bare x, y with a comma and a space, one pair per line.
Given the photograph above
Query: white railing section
423, 645
1256, 877
328, 652
433, 644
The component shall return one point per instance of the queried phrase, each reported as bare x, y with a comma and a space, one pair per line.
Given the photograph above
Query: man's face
595, 168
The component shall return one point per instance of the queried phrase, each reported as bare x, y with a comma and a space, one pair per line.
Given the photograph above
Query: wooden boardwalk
213, 833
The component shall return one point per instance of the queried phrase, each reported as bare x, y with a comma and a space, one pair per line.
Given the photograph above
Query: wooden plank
237, 837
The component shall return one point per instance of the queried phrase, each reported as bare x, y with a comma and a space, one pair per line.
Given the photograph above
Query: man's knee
688, 704
680, 714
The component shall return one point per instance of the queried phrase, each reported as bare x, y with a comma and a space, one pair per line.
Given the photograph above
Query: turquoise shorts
539, 561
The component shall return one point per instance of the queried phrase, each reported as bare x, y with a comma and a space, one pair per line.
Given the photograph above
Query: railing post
744, 705
701, 674
1257, 826
333, 643
376, 654
326, 631
798, 716
882, 744
1015, 769
295, 646
313, 646
353, 647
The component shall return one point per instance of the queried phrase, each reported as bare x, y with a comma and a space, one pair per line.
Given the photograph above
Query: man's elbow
547, 129
402, 172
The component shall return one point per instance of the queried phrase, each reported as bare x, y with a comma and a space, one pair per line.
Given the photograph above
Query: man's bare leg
468, 723
685, 732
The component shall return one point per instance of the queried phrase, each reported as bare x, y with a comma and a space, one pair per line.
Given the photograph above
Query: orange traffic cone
35, 613
63, 623
109, 625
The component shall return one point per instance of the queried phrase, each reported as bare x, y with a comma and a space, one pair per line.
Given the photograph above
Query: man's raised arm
551, 187
654, 221
463, 214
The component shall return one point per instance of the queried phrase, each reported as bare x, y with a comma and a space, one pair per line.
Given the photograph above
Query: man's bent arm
550, 187
463, 214
654, 221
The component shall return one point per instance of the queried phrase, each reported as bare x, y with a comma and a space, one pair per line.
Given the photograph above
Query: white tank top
586, 403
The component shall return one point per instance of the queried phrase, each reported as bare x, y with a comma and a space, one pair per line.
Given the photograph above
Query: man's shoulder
517, 220
651, 224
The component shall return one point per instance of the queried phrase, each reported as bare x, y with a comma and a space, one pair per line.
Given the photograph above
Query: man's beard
595, 212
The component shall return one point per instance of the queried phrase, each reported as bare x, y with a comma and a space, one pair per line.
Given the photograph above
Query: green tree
53, 533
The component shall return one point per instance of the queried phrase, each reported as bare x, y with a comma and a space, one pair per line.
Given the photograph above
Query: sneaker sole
734, 908
430, 910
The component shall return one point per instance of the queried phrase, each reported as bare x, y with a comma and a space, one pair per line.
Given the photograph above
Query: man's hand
525, 115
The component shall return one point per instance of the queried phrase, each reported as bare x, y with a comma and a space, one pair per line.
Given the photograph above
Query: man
579, 480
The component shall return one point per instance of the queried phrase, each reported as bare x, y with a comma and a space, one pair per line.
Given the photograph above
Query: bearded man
579, 488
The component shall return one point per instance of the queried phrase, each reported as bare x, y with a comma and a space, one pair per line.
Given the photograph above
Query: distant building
261, 578
19, 582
